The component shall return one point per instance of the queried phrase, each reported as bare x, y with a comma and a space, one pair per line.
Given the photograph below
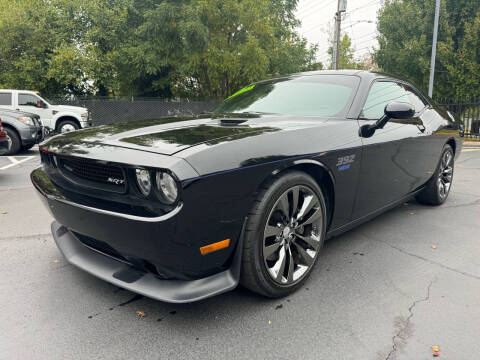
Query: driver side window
381, 93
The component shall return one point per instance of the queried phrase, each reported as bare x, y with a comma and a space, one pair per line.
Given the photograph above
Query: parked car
4, 140
23, 129
180, 209
61, 118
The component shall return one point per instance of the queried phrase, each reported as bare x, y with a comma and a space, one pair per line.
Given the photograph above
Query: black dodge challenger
180, 209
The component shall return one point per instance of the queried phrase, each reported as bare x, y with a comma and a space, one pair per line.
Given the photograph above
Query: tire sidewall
446, 148
15, 144
277, 188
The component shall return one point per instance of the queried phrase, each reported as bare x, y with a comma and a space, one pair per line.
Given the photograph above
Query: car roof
366, 74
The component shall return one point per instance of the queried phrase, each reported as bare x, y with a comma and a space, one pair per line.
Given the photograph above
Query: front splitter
125, 276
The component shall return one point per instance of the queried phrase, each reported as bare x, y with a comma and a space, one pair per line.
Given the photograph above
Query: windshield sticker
245, 89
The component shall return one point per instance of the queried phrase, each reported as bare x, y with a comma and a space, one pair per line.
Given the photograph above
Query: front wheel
15, 144
67, 126
284, 235
438, 187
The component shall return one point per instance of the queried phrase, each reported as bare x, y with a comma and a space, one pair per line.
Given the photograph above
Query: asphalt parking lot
389, 289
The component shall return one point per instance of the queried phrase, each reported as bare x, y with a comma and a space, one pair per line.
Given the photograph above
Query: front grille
93, 174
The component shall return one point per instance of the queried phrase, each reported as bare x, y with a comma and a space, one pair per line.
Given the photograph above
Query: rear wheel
14, 140
284, 235
438, 187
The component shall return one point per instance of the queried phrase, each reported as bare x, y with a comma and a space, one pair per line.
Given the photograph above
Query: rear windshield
316, 95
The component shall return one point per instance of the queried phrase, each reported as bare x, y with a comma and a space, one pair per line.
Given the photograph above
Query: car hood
16, 113
172, 135
75, 109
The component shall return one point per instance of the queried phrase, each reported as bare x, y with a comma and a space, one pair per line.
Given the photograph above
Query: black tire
436, 190
254, 273
67, 123
15, 142
27, 147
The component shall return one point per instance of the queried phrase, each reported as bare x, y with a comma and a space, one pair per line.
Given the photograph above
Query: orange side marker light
207, 249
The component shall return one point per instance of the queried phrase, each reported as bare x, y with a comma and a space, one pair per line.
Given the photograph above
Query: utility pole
341, 7
434, 48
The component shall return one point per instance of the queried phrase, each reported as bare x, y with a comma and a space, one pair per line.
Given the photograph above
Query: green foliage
346, 54
194, 48
405, 44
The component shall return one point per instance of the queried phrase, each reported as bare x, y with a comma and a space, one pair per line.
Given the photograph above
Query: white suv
61, 118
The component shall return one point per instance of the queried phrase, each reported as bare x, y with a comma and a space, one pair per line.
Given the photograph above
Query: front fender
62, 114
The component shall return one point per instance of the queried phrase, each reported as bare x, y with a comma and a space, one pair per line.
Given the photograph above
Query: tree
214, 47
405, 44
346, 54
194, 48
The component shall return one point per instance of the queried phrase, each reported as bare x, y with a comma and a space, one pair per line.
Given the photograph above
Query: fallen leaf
435, 348
4, 212
434, 246
436, 353
141, 313
56, 261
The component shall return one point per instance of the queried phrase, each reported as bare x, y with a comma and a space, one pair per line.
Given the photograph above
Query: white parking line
15, 162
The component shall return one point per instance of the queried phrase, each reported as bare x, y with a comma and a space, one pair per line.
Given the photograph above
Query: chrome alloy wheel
67, 128
292, 235
445, 174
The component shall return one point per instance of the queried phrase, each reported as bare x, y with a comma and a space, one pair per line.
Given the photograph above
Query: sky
359, 21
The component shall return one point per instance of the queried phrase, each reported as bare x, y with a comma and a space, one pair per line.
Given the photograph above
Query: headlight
84, 116
167, 186
26, 120
143, 180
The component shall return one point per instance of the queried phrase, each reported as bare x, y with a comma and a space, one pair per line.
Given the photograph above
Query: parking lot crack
433, 262
404, 326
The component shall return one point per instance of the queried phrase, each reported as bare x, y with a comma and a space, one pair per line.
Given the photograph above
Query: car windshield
317, 95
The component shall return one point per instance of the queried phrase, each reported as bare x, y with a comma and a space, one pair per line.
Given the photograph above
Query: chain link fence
108, 110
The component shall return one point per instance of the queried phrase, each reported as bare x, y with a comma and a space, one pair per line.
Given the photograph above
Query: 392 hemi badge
116, 181
344, 162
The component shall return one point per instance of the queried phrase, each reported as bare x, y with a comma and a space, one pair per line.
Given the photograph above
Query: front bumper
162, 251
32, 135
127, 277
86, 123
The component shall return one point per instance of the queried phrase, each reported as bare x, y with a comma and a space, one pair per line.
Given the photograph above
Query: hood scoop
231, 122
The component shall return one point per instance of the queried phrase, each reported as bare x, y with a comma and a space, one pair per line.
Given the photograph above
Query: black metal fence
469, 113
107, 110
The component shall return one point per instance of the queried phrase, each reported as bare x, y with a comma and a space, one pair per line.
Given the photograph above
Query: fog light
143, 180
167, 186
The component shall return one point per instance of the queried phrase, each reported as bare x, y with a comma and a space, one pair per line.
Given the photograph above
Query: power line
364, 6
366, 40
365, 35
309, 7
315, 12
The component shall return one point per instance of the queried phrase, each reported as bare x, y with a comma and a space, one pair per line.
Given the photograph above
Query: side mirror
42, 105
399, 110
394, 110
